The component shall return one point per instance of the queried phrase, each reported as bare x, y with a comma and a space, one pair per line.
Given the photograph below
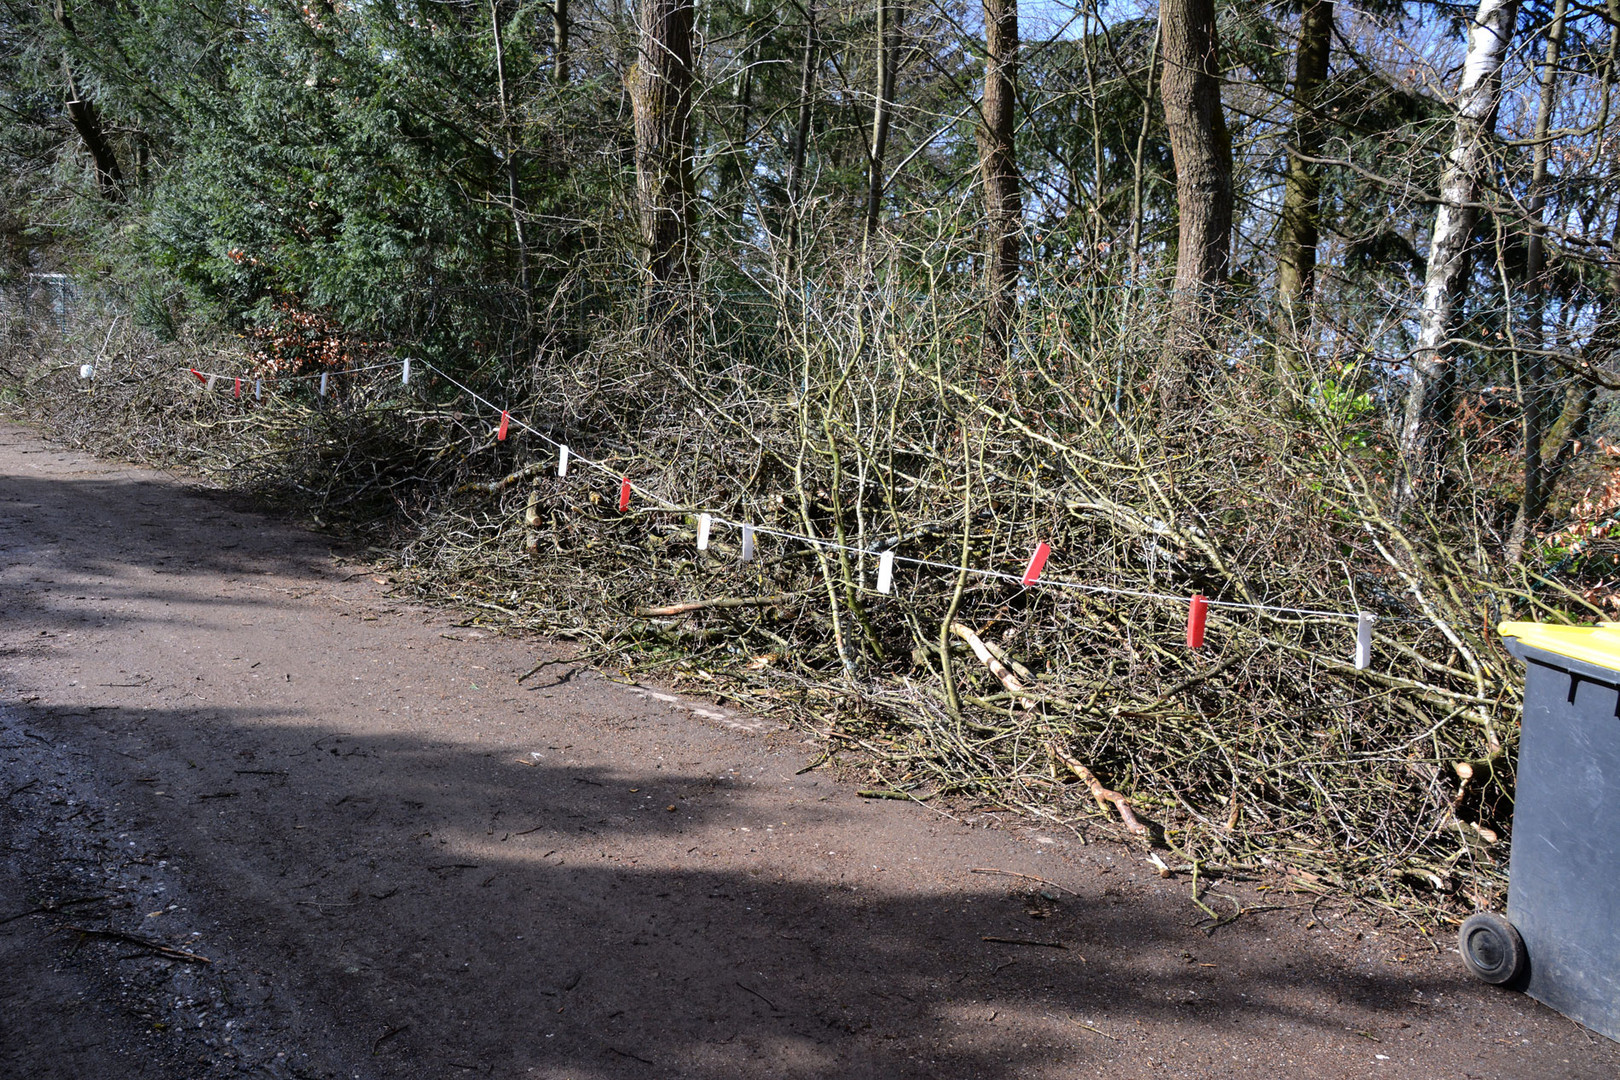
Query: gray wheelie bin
1560, 941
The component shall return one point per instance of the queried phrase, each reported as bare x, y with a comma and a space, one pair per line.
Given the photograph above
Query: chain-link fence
35, 304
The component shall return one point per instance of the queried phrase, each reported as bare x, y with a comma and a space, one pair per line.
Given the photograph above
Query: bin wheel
1492, 950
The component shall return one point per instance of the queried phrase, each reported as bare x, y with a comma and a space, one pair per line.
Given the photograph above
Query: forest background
1309, 307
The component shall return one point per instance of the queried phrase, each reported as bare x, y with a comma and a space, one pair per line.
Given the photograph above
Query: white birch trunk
1428, 402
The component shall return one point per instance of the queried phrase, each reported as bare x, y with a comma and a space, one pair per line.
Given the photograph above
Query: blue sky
1040, 19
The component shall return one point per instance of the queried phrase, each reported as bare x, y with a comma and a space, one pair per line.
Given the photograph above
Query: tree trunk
661, 96
735, 167
1555, 446
86, 121
1296, 246
742, 91
509, 152
1535, 494
1202, 151
1559, 443
999, 165
1425, 426
801, 136
889, 14
559, 42
1138, 169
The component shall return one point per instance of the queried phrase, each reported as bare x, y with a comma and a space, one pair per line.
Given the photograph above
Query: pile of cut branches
864, 422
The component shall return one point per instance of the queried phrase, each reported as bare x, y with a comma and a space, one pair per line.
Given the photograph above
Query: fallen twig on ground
168, 952
1103, 795
1024, 941
577, 659
1026, 877
51, 908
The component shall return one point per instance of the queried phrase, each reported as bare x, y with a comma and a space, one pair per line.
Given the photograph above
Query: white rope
833, 545
292, 378
568, 455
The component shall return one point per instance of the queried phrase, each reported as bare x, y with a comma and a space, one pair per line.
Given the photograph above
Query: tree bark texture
999, 164
1138, 171
509, 151
86, 120
1549, 451
888, 54
1429, 400
811, 63
1535, 392
661, 96
742, 90
1201, 148
559, 42
1296, 245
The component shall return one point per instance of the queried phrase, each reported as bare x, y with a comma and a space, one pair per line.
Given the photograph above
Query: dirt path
217, 738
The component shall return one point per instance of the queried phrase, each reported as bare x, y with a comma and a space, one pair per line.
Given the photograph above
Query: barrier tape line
296, 378
832, 545
660, 504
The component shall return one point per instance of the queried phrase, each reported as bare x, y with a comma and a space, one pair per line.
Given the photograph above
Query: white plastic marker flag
258, 389
704, 523
87, 371
405, 373
748, 543
886, 572
562, 461
323, 384
212, 379
1364, 625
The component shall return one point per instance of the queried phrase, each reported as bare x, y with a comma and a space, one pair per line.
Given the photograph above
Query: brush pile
863, 421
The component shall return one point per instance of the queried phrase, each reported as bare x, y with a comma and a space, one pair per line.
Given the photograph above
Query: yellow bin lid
1598, 644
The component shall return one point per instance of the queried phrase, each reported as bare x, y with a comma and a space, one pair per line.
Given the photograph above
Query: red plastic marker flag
624, 495
1037, 562
500, 432
238, 391
200, 376
1197, 611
